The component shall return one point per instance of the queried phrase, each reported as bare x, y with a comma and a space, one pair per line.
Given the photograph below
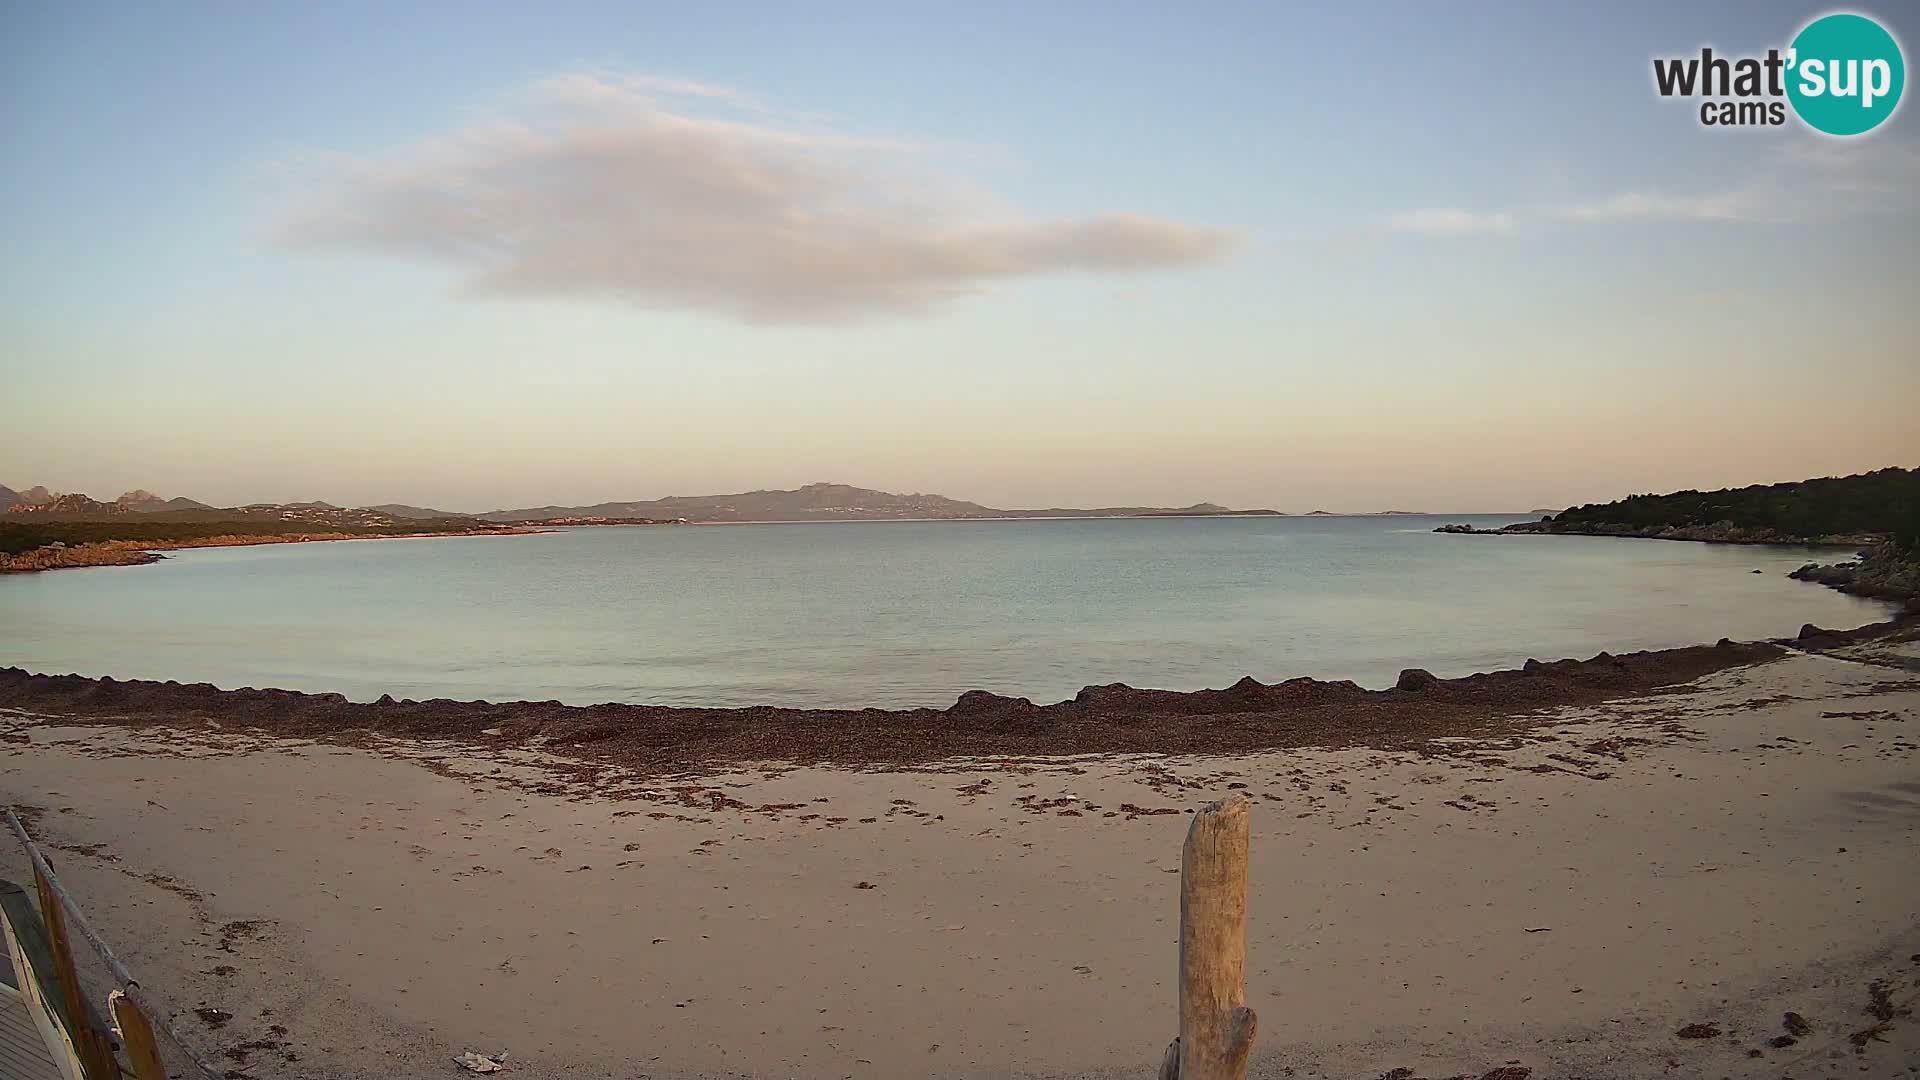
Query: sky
1409, 256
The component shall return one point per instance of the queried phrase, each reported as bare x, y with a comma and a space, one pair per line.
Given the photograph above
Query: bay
896, 614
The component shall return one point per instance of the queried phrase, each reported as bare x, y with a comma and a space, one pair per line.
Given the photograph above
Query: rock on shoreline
64, 557
1879, 572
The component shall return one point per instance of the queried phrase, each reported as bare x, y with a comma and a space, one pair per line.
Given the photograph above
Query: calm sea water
894, 613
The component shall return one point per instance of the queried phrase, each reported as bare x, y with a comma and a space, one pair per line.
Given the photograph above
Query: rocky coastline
1246, 717
1881, 570
1720, 533
142, 552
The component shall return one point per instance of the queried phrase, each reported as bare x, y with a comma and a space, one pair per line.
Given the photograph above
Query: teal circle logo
1845, 74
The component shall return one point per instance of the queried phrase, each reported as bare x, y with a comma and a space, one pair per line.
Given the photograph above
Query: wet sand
1562, 896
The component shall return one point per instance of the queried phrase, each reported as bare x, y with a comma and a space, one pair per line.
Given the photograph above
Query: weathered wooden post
92, 1047
137, 1036
1216, 1027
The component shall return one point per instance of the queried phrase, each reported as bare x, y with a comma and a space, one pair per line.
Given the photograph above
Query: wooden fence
1216, 1027
80, 1041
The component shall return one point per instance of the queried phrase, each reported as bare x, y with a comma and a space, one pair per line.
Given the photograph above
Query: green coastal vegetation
1884, 503
1877, 512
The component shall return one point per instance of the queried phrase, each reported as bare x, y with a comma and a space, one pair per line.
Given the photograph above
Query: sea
897, 613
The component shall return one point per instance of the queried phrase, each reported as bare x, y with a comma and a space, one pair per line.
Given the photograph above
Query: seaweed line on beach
1420, 713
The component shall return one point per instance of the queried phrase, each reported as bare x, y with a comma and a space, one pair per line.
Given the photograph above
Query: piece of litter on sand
481, 1063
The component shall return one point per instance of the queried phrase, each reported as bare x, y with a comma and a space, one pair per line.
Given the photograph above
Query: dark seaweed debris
1245, 717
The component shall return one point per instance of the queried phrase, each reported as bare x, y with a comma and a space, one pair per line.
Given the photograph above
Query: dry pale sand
1722, 855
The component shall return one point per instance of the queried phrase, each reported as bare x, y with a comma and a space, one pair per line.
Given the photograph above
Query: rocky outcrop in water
62, 557
1883, 572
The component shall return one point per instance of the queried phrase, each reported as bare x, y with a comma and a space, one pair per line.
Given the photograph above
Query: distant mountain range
37, 496
829, 502
814, 502
141, 501
137, 501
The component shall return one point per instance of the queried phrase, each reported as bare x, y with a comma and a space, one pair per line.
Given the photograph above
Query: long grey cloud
623, 187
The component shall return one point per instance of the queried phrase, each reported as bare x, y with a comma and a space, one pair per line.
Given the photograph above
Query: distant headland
1877, 512
45, 530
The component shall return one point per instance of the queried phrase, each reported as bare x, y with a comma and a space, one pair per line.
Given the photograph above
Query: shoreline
1697, 534
1879, 569
145, 552
1099, 719
1419, 713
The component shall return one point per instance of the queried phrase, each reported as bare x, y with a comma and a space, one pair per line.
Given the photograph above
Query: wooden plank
1216, 1027
24, 1054
32, 952
42, 1006
15, 1064
136, 1036
89, 1043
23, 1050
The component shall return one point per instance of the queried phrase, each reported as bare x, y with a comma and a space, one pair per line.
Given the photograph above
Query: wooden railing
1216, 1027
42, 949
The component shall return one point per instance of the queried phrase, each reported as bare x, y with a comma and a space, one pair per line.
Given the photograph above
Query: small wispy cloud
1795, 181
1659, 206
1448, 221
623, 186
601, 87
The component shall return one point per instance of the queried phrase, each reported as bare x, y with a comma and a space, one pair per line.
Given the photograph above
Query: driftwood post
137, 1036
1216, 1027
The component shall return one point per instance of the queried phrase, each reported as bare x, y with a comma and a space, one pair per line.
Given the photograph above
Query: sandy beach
1563, 900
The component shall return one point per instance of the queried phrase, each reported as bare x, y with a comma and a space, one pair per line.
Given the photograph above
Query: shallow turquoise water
894, 613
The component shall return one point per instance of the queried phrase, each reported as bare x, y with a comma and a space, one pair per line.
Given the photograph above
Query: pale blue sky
1379, 255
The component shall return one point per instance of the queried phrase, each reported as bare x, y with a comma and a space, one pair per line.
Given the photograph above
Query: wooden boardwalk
23, 1050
